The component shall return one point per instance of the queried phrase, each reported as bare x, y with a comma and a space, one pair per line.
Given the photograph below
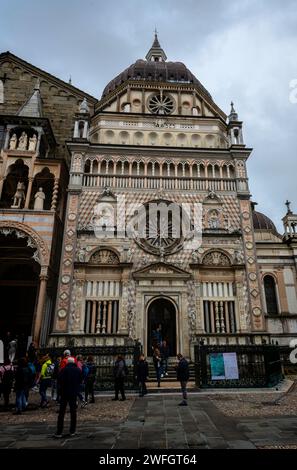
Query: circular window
161, 104
162, 227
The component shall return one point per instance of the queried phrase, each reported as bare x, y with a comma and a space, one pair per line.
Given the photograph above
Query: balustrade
155, 182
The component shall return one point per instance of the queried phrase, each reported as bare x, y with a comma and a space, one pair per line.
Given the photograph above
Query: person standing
183, 375
142, 373
120, 371
69, 380
21, 385
64, 361
157, 360
90, 380
55, 388
32, 353
6, 380
164, 350
84, 374
46, 374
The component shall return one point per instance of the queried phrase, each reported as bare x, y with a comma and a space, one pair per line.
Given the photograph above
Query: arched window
270, 295
17, 173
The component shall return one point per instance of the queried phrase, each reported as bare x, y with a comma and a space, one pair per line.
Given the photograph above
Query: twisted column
55, 195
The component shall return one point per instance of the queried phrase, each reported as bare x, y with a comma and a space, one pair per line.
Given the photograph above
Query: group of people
70, 380
181, 369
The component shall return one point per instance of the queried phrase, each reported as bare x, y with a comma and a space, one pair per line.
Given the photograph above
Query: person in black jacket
22, 384
69, 385
120, 372
183, 375
142, 373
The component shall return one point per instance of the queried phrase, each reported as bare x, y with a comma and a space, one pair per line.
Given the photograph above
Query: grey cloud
245, 51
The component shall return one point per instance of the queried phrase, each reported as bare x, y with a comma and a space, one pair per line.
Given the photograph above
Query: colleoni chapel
75, 174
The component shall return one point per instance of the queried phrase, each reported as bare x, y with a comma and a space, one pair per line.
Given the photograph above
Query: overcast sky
241, 50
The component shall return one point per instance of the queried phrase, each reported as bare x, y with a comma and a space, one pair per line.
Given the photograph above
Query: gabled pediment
161, 270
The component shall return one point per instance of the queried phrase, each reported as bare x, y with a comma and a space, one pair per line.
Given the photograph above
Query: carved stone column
29, 190
123, 319
40, 305
55, 195
2, 179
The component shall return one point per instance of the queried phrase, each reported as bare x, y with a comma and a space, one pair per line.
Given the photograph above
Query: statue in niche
32, 143
13, 142
39, 200
238, 257
23, 141
81, 255
19, 196
214, 219
103, 216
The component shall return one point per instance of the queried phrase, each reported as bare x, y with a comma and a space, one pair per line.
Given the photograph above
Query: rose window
161, 104
161, 227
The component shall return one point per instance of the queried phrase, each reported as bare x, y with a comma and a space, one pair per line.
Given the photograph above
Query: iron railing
258, 366
104, 358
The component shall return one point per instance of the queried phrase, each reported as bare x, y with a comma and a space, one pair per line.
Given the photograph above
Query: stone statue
12, 350
81, 255
32, 143
39, 200
83, 107
19, 196
23, 141
13, 142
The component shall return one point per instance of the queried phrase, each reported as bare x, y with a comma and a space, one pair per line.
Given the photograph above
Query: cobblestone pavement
156, 422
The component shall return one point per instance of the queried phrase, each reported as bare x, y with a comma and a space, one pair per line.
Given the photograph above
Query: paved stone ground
156, 422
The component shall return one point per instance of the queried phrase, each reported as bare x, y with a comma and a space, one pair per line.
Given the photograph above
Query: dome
171, 72
262, 222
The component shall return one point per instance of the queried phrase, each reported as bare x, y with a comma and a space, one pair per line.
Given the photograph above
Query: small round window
161, 104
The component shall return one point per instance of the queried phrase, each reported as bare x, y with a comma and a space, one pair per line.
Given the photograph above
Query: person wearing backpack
46, 374
120, 371
90, 381
6, 380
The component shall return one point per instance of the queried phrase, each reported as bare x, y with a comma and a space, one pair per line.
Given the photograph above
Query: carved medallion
216, 258
62, 313
104, 257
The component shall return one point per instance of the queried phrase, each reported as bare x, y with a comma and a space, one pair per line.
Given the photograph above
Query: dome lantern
156, 53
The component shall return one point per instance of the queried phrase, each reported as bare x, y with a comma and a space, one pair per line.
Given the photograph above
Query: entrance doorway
19, 280
162, 314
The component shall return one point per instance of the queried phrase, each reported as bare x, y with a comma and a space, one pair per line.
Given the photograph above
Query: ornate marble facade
157, 138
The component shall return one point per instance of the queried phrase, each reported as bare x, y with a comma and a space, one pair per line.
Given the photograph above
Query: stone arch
104, 255
216, 258
42, 256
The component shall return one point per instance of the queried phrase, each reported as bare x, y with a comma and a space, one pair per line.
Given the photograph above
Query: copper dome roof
262, 222
170, 72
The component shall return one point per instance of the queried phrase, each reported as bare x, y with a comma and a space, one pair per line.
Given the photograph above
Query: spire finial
287, 203
156, 52
233, 116
70, 81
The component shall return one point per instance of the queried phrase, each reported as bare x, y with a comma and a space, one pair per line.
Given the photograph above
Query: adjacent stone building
159, 229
